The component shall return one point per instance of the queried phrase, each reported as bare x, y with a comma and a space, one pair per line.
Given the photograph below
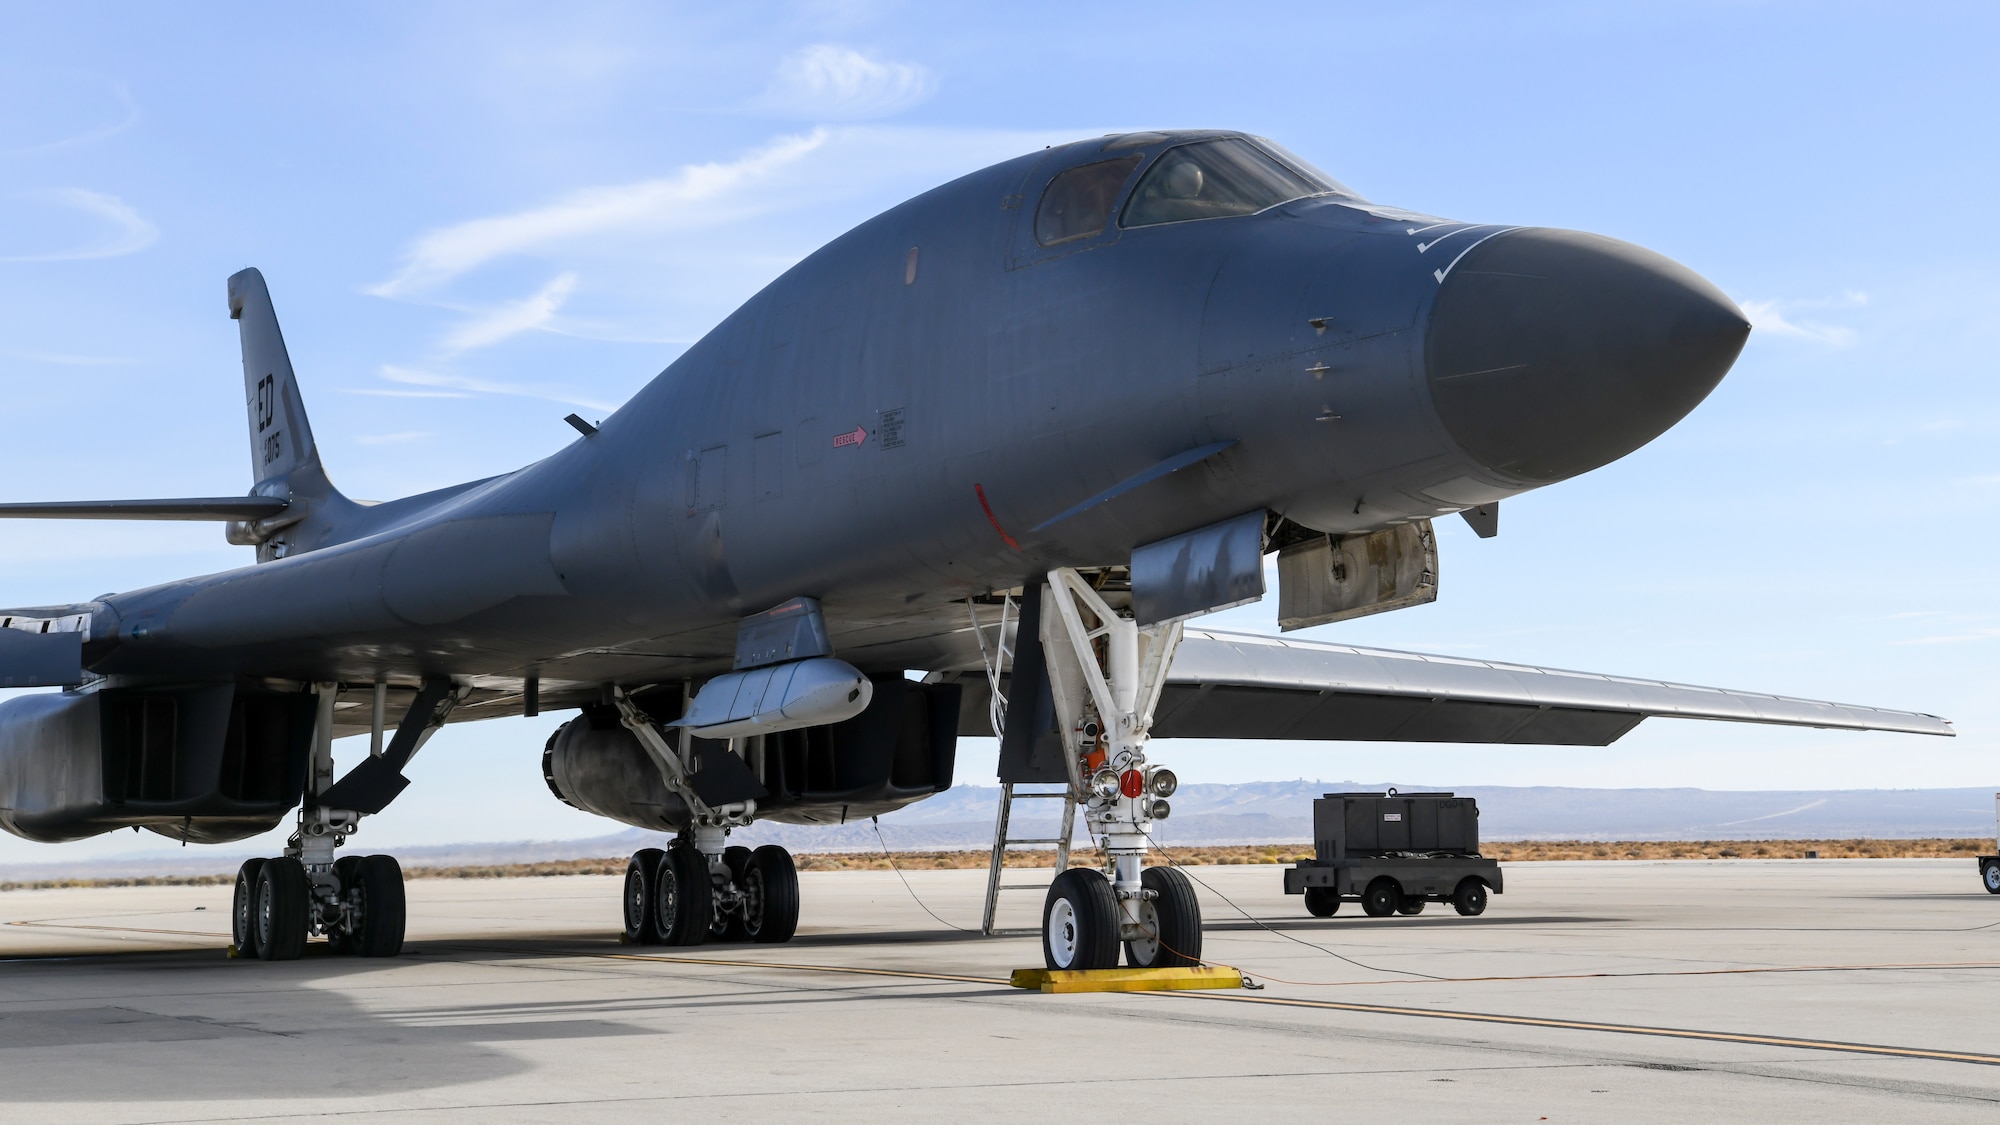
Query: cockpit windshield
1211, 179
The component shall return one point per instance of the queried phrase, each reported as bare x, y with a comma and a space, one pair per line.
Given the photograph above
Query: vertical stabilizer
284, 462
281, 440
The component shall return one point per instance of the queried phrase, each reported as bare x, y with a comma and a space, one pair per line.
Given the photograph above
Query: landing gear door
1334, 578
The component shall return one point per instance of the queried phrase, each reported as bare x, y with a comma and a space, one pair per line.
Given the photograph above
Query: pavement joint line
118, 929
1434, 1013
1911, 966
1614, 1028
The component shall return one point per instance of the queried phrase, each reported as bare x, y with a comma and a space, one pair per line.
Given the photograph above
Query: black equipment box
1394, 852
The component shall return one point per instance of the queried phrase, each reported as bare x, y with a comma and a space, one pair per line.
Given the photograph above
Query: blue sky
476, 218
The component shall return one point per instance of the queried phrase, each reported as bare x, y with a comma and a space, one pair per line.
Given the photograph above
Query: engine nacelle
205, 764
899, 749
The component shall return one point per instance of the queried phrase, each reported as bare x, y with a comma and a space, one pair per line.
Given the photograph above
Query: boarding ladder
1009, 793
997, 657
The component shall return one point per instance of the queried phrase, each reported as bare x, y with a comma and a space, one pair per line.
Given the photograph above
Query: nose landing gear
1106, 674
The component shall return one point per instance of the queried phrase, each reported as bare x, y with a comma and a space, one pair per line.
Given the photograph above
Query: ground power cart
1394, 852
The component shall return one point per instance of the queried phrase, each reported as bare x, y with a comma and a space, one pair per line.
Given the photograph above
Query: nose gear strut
1106, 674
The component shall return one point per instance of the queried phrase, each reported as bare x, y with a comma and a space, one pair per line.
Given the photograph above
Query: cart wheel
1470, 897
1989, 873
1381, 898
1410, 904
1322, 902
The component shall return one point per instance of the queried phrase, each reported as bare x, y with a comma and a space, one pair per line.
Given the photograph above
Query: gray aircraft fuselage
884, 425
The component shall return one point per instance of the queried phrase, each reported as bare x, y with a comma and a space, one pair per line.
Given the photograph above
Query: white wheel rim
1993, 874
1146, 947
1062, 932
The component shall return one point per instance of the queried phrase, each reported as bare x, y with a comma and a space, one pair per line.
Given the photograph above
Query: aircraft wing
1241, 685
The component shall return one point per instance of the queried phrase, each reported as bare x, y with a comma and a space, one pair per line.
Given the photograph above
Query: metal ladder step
1001, 842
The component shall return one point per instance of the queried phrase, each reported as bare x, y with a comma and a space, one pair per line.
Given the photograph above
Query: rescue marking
993, 519
855, 438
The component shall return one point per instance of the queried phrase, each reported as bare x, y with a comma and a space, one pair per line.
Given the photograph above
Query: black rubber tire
348, 870
640, 872
771, 896
1470, 897
1411, 905
683, 897
1381, 898
1080, 921
1173, 915
243, 907
1322, 902
728, 924
1989, 874
383, 907
283, 894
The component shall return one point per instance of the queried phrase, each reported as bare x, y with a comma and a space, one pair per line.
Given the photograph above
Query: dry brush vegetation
1516, 851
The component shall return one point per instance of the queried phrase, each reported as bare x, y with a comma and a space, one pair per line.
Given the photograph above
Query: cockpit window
1211, 179
1078, 203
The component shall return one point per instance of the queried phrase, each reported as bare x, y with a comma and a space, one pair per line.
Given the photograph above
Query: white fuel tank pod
801, 693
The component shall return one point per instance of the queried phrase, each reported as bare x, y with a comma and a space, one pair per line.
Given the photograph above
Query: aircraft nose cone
1552, 352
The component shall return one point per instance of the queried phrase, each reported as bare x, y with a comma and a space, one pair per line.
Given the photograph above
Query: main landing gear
700, 888
686, 894
356, 903
1106, 674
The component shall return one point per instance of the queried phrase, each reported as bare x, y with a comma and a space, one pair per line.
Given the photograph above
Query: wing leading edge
1241, 685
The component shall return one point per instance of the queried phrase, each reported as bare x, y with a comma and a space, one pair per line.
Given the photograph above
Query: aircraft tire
683, 897
1174, 916
1322, 902
384, 910
1381, 898
728, 924
347, 869
1410, 905
1470, 897
640, 873
771, 896
243, 909
1080, 921
283, 896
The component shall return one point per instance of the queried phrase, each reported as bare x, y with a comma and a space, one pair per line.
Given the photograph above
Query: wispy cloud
390, 439
122, 232
1965, 637
1771, 318
700, 192
65, 359
831, 81
512, 318
548, 392
401, 392
31, 98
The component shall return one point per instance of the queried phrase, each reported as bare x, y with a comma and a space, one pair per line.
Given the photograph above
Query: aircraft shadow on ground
219, 1030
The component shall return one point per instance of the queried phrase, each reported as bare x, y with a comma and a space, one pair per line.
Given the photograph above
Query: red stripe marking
993, 519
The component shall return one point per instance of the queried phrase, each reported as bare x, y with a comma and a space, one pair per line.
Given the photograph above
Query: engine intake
205, 764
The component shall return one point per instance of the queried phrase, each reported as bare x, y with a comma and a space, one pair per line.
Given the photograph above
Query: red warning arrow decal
856, 438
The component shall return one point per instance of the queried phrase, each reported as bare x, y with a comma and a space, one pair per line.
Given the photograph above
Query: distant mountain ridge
1276, 812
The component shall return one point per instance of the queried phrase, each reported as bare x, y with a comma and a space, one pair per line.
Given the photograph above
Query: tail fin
281, 440
284, 462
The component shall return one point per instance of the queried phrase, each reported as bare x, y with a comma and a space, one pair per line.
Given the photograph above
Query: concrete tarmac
1821, 991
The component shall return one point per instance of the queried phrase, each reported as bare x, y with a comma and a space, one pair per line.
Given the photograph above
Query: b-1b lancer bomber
1016, 433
